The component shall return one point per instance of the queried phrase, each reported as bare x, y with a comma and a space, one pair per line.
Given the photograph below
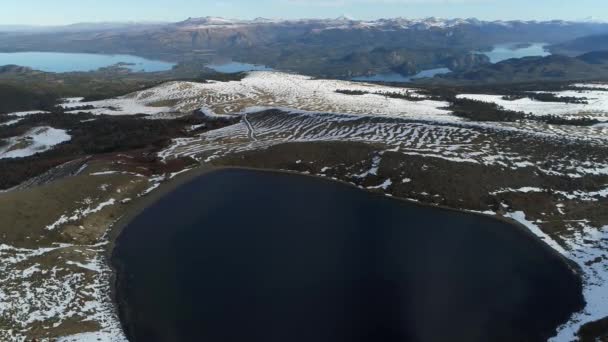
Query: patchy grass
102, 136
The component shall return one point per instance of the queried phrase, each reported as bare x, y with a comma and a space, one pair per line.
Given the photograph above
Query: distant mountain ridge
590, 66
582, 45
81, 27
342, 22
336, 48
397, 22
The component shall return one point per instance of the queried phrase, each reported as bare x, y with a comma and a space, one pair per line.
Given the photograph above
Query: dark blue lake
68, 62
395, 77
238, 255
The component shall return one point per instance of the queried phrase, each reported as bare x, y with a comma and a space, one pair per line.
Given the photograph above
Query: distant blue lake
234, 67
69, 62
503, 52
395, 77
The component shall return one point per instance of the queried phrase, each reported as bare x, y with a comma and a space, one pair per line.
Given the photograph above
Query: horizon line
150, 22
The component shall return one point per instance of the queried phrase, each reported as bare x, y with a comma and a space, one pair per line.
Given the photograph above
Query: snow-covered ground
11, 122
118, 106
26, 113
62, 287
270, 89
457, 142
597, 107
16, 117
36, 140
68, 291
591, 85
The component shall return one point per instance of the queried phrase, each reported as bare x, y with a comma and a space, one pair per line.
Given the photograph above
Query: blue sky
46, 12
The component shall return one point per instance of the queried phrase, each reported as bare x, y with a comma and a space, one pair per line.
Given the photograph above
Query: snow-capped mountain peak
345, 22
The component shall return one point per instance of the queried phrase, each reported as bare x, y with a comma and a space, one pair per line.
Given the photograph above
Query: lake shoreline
171, 185
78, 62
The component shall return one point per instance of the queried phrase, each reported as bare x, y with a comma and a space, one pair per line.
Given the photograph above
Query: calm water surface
69, 62
512, 50
395, 77
239, 255
234, 67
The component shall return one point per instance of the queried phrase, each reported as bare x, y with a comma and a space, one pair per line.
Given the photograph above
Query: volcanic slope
271, 89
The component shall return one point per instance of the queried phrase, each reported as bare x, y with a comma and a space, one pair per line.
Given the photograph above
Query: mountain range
592, 66
343, 22
337, 48
582, 45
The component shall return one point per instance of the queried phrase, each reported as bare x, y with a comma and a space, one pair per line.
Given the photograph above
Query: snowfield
119, 106
262, 90
591, 85
36, 140
270, 89
457, 142
597, 107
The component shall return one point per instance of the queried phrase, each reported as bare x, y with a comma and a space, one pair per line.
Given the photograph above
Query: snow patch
26, 113
36, 140
11, 122
596, 108
384, 186
273, 90
374, 168
79, 214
